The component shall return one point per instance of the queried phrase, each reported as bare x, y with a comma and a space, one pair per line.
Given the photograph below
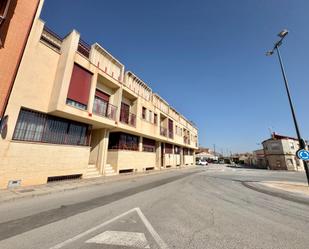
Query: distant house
280, 153
243, 158
205, 153
258, 159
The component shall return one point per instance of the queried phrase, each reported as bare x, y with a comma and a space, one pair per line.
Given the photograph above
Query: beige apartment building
280, 153
74, 112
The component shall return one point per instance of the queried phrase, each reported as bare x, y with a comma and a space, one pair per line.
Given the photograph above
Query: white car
202, 162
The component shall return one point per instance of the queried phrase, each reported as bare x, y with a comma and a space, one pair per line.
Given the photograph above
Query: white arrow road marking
119, 238
147, 224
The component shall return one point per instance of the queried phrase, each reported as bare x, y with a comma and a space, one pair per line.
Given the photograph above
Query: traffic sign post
303, 154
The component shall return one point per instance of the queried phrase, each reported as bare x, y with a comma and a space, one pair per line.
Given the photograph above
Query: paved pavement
300, 188
207, 207
60, 186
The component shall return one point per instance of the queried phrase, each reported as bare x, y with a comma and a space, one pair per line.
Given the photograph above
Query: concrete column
140, 144
163, 155
173, 157
193, 157
103, 135
117, 102
64, 71
92, 91
181, 157
158, 154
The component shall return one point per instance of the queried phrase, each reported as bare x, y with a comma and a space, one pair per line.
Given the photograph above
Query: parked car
202, 162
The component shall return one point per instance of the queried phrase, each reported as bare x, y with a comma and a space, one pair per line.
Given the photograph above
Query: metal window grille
149, 145
39, 127
176, 149
123, 141
168, 148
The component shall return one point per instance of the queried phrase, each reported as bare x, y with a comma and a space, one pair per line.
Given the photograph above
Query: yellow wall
188, 159
34, 162
172, 160
125, 159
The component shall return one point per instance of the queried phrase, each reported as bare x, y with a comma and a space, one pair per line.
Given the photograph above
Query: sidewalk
293, 187
56, 187
292, 191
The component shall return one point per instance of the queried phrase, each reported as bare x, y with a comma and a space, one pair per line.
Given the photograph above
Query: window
100, 103
79, 88
185, 151
149, 145
124, 113
122, 141
176, 149
170, 129
155, 118
274, 146
4, 6
168, 148
143, 113
178, 131
39, 127
292, 145
5, 19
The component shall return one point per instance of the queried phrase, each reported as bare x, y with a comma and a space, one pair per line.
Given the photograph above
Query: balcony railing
163, 131
105, 109
51, 38
83, 48
128, 118
171, 134
186, 140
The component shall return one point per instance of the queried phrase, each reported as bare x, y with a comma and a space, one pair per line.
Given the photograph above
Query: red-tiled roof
278, 136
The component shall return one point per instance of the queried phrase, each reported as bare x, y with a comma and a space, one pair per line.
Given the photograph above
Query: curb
87, 183
286, 195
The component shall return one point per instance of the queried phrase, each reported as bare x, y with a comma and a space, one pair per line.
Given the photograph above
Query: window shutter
80, 85
101, 95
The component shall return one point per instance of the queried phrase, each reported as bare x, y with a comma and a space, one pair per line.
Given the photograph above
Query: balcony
83, 48
163, 131
104, 109
51, 39
171, 134
186, 140
128, 118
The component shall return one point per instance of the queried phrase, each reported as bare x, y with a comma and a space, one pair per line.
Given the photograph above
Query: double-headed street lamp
301, 141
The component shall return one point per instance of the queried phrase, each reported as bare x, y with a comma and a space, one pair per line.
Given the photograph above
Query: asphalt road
205, 207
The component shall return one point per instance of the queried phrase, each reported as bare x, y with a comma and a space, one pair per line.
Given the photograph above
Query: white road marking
120, 238
147, 224
151, 230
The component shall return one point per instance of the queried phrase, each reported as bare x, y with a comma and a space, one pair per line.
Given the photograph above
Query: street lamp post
301, 141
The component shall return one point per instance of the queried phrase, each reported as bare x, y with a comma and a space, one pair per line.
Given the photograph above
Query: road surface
203, 207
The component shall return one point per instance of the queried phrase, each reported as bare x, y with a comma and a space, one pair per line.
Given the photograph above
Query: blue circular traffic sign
303, 154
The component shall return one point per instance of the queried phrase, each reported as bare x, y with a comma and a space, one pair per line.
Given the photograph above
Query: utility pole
302, 144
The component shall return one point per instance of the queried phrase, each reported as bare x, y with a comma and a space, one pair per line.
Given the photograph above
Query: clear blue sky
206, 58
